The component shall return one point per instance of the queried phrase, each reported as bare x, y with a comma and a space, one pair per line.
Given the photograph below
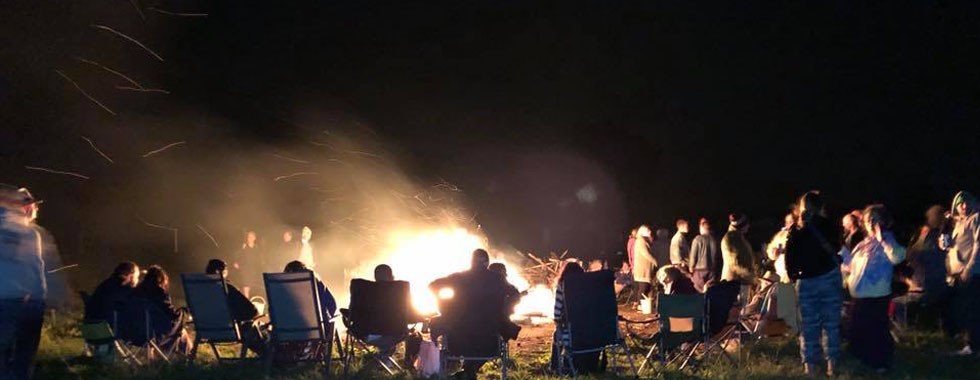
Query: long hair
155, 275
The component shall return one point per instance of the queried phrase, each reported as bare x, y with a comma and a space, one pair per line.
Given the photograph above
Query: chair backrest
294, 307
719, 299
207, 299
475, 315
591, 313
682, 318
380, 308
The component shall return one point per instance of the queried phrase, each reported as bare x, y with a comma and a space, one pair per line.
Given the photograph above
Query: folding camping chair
378, 310
100, 337
137, 329
207, 299
590, 320
681, 321
720, 299
470, 326
298, 324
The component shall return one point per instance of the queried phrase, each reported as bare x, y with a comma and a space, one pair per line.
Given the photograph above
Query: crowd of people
847, 275
851, 275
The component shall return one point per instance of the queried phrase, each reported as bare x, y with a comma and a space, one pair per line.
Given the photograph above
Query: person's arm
643, 249
968, 269
694, 256
893, 251
327, 300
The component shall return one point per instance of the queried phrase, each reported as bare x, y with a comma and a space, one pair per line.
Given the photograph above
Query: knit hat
737, 221
963, 197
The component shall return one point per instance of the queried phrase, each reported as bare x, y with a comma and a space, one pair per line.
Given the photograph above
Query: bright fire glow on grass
421, 256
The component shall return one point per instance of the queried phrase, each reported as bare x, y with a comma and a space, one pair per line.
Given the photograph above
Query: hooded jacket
962, 255
871, 264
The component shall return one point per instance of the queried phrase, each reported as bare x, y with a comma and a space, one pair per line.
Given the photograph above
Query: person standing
928, 291
643, 261
813, 263
306, 255
286, 252
248, 264
661, 248
679, 247
22, 286
961, 258
705, 259
738, 259
853, 233
629, 246
869, 269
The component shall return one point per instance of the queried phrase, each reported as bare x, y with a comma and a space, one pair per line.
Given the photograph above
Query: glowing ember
420, 257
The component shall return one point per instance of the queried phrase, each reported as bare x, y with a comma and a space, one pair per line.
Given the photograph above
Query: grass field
920, 355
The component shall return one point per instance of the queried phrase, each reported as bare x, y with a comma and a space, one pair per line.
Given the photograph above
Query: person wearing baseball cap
22, 285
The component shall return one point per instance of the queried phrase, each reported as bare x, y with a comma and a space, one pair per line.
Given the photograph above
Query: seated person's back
241, 308
112, 293
327, 303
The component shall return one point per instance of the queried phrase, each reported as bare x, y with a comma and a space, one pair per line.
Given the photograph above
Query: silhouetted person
853, 233
705, 260
812, 261
112, 293
327, 302
306, 254
928, 291
248, 264
673, 281
478, 293
679, 246
241, 308
166, 320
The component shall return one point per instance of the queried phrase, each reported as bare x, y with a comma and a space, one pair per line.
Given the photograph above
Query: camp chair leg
646, 358
244, 352
690, 354
629, 358
126, 353
217, 355
348, 353
328, 356
197, 343
270, 357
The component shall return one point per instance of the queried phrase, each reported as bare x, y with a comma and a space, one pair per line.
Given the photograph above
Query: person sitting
673, 281
166, 320
327, 302
477, 292
584, 363
242, 310
624, 278
112, 292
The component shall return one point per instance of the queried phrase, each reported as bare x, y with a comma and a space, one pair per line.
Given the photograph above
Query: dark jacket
109, 296
327, 302
166, 320
241, 308
928, 264
806, 255
705, 255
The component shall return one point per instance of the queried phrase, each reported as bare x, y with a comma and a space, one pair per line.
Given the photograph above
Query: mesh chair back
207, 299
720, 299
681, 318
294, 307
590, 310
379, 308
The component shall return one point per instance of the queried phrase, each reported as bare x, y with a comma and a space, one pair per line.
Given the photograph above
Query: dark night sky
667, 109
